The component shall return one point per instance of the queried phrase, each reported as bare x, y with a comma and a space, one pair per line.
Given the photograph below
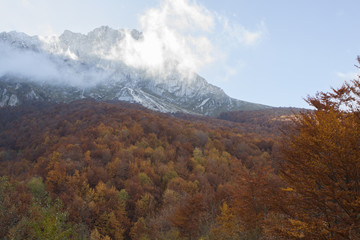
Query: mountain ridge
76, 66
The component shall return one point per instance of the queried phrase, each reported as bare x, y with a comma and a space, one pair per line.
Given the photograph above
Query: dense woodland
114, 170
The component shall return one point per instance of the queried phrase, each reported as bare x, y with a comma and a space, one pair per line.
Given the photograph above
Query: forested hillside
120, 171
113, 170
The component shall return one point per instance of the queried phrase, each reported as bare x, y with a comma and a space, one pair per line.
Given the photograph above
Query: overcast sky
270, 52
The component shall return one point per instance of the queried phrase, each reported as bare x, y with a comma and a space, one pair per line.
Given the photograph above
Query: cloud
174, 37
40, 66
180, 35
347, 76
177, 37
25, 63
240, 34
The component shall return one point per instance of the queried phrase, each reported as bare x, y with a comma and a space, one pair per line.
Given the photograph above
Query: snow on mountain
101, 65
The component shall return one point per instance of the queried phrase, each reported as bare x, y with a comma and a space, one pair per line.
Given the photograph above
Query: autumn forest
115, 170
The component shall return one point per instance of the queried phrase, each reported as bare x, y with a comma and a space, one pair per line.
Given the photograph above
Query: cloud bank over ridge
176, 37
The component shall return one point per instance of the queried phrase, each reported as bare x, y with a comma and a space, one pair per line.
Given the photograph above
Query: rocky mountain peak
93, 65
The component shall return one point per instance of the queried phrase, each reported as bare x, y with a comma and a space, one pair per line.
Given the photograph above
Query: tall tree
321, 165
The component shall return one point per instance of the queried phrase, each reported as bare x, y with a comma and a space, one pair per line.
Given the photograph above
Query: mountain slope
74, 66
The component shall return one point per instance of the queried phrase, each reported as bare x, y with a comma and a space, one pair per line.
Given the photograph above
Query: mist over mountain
105, 64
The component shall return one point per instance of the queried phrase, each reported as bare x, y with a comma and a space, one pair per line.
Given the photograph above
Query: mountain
96, 65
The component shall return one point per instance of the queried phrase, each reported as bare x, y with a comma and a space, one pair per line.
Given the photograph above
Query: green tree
14, 203
49, 222
45, 218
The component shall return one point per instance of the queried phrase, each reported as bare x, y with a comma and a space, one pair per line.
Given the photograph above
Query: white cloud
25, 63
181, 33
347, 76
39, 66
240, 34
174, 36
228, 71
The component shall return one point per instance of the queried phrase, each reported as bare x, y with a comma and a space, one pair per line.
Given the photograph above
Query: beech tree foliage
119, 171
321, 167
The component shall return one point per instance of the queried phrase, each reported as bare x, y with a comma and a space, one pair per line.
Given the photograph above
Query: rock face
74, 66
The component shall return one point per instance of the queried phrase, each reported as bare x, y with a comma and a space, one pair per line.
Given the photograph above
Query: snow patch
4, 101
203, 102
13, 101
32, 95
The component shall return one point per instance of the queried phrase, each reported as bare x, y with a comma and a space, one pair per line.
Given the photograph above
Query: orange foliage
119, 169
